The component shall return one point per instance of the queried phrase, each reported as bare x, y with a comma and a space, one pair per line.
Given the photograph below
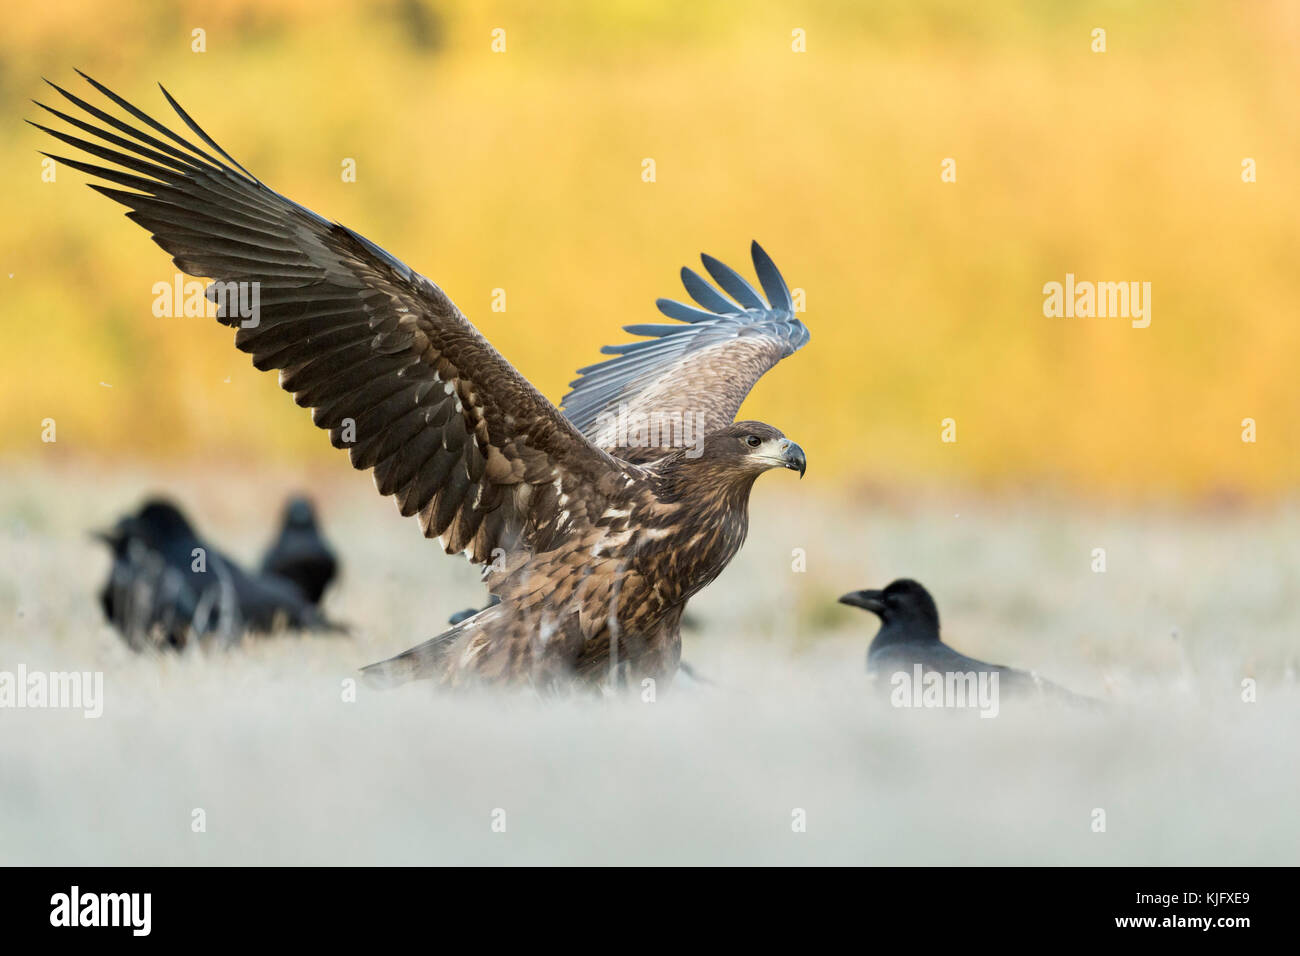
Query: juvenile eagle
595, 525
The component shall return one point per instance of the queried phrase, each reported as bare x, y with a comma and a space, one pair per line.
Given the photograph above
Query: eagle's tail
431, 659
422, 661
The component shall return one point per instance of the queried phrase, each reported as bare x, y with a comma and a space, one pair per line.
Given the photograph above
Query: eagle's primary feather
593, 556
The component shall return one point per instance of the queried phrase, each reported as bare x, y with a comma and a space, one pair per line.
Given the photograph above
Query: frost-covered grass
286, 771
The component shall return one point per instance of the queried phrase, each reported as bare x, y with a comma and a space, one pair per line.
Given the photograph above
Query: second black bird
299, 554
909, 636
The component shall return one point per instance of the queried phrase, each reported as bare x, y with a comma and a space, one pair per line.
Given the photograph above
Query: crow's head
160, 522
904, 602
299, 513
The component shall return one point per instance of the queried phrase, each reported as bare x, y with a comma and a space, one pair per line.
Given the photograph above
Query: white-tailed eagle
595, 525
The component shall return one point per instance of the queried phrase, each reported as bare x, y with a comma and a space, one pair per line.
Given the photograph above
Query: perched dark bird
596, 528
149, 603
909, 635
300, 554
167, 586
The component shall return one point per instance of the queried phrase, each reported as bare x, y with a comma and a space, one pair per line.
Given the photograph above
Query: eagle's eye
753, 441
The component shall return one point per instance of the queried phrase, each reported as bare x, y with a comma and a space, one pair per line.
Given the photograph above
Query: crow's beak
794, 458
872, 601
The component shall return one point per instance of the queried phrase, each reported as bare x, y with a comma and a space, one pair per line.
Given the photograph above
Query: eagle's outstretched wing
697, 373
381, 355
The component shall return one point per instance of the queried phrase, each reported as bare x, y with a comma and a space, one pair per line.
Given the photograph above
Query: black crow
166, 586
300, 554
909, 636
145, 600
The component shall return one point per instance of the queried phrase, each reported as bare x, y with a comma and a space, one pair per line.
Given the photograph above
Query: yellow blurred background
522, 171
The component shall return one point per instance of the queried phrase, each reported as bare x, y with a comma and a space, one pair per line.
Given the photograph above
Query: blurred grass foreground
920, 170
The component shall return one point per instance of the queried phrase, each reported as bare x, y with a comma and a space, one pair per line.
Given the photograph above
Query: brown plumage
607, 597
594, 535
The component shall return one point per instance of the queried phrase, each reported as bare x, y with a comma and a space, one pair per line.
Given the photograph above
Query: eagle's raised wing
381, 355
697, 373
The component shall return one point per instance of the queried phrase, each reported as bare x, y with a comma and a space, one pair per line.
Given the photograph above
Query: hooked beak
873, 601
793, 458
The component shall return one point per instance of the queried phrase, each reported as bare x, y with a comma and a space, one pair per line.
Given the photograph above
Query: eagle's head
723, 465
751, 448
